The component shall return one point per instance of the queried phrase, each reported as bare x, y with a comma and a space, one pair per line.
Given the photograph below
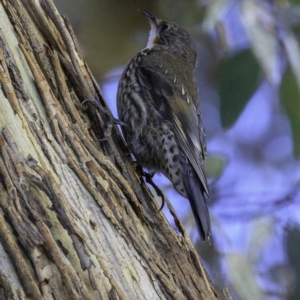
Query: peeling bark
76, 220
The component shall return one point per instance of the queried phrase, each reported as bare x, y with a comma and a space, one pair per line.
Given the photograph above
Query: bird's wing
171, 87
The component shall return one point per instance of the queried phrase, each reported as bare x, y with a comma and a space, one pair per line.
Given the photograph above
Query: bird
158, 103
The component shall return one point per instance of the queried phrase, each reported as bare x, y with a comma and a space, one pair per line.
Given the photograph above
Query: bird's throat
153, 37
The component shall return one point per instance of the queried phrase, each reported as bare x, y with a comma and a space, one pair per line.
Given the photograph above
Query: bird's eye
164, 27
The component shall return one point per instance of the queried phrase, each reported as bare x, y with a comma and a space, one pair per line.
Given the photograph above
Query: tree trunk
76, 220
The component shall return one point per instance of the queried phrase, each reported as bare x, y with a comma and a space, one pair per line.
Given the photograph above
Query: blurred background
249, 81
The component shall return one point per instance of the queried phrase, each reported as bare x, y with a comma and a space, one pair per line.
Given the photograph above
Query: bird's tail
198, 200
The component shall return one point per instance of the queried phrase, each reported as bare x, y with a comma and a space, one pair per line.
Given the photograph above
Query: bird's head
175, 38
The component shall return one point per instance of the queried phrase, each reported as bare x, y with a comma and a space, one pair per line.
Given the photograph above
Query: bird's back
157, 100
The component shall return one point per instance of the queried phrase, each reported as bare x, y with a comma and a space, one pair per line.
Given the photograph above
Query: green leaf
242, 278
290, 99
292, 49
295, 1
261, 233
237, 80
260, 25
212, 16
214, 166
292, 244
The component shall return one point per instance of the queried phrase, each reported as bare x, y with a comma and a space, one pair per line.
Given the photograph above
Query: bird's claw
118, 122
92, 101
149, 179
112, 121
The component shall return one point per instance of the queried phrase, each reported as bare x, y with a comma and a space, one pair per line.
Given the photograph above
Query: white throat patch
152, 36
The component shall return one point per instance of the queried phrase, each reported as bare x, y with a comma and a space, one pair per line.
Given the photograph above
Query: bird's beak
153, 19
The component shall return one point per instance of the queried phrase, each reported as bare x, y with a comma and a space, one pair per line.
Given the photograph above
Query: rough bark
76, 220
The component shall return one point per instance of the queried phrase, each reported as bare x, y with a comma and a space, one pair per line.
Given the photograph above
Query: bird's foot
149, 179
112, 121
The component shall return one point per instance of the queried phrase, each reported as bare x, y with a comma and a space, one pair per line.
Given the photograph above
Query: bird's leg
112, 121
148, 178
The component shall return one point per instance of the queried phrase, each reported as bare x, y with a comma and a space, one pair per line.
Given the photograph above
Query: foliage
257, 56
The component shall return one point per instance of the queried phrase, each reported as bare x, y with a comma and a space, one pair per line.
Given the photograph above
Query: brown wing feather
176, 105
